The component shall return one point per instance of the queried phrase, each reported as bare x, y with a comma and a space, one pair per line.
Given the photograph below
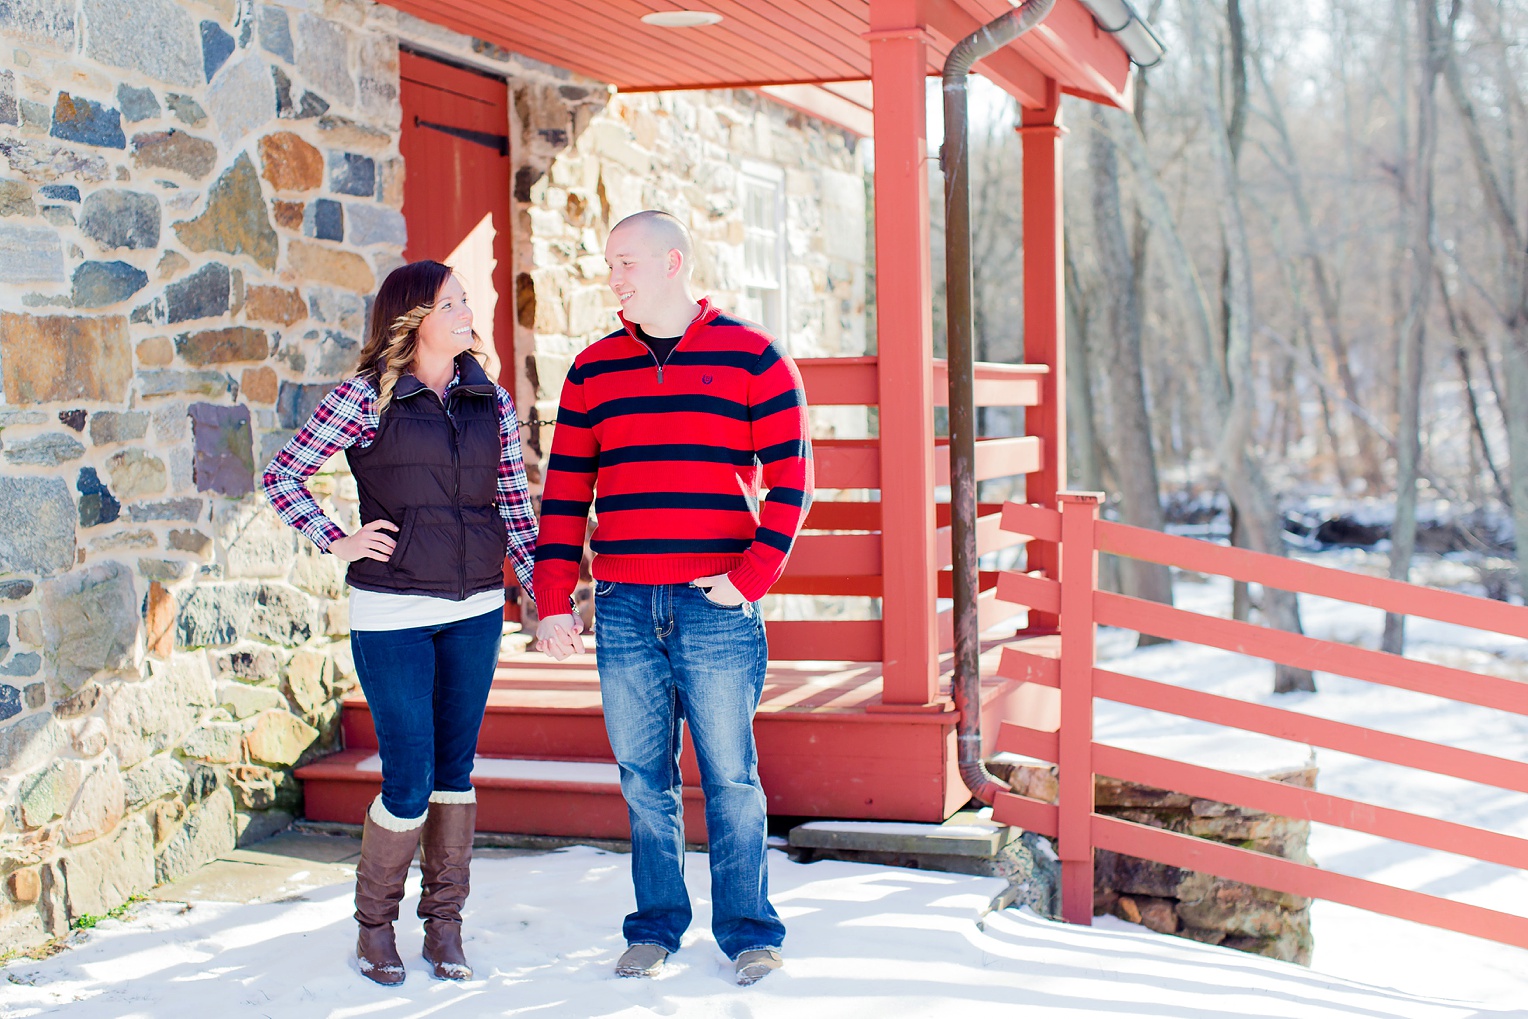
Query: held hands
367, 543
720, 590
559, 637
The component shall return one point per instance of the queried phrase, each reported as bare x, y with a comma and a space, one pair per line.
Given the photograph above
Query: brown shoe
447, 845
379, 877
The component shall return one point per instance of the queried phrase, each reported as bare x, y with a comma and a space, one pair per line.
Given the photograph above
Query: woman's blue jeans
668, 654
427, 687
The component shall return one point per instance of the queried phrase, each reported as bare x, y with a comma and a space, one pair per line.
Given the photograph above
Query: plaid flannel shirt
347, 417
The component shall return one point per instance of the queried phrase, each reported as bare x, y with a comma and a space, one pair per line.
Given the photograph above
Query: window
763, 298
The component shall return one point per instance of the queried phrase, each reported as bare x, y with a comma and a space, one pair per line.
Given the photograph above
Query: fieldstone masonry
197, 198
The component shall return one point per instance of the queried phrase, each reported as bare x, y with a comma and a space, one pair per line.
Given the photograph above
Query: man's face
640, 274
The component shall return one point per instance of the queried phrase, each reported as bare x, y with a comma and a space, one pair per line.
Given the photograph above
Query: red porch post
1079, 579
1044, 318
905, 347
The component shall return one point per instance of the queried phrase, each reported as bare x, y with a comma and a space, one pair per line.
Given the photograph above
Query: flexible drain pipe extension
962, 374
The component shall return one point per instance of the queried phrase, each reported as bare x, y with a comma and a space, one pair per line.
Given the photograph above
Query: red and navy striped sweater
677, 455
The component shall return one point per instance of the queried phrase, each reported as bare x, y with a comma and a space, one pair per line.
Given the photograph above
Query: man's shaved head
661, 231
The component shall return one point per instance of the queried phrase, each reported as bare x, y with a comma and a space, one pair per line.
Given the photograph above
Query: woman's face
448, 329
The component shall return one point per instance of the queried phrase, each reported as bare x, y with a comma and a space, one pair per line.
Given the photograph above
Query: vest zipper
456, 502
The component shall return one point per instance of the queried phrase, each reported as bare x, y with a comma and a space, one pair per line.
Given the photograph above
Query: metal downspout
962, 377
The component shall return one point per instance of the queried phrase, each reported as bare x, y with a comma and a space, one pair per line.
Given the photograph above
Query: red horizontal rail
1276, 873
1024, 812
1035, 521
1031, 592
1284, 800
852, 640
1311, 653
854, 381
1024, 667
1300, 728
995, 458
1308, 578
835, 555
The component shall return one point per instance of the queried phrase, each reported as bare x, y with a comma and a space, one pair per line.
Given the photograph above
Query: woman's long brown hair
404, 299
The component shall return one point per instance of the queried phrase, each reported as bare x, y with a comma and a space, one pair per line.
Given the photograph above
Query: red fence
1079, 830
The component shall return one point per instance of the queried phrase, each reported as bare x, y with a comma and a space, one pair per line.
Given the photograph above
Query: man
676, 420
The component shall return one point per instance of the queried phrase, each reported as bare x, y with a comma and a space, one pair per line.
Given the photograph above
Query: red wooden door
456, 190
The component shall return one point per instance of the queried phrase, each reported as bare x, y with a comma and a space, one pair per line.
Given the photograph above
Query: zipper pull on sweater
660, 374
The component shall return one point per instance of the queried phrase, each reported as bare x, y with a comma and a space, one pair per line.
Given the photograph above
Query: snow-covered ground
875, 941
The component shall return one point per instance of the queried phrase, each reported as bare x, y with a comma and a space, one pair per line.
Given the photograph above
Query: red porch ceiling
772, 42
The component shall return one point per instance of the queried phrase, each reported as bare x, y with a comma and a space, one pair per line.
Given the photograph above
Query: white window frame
766, 299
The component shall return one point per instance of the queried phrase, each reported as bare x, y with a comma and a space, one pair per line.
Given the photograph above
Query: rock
241, 100
16, 198
30, 254
221, 346
256, 666
29, 629
223, 455
156, 351
279, 738
165, 383
290, 163
309, 679
338, 307
25, 886
27, 743
288, 215
243, 700
47, 794
36, 525
175, 150
208, 833
203, 294
217, 47
235, 219
54, 358
156, 37
48, 450
108, 426
160, 775
352, 174
102, 876
325, 220
189, 540
81, 702
377, 77
137, 103
337, 353
187, 110
220, 614
91, 738
274, 304
121, 219
22, 665
47, 23
323, 57
1133, 876
98, 284
254, 787
375, 224
149, 716
90, 622
318, 574
15, 590
218, 742
164, 818
45, 163
98, 806
97, 504
159, 620
275, 32
60, 192
73, 419
256, 542
189, 510
327, 265
77, 119
165, 571
10, 701
136, 473
258, 385
10, 113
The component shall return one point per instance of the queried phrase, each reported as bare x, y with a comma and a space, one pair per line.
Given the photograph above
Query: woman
434, 447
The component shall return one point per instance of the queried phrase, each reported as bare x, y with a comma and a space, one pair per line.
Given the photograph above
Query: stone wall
1187, 903
196, 199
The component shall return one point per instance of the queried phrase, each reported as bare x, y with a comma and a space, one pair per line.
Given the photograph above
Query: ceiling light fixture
681, 19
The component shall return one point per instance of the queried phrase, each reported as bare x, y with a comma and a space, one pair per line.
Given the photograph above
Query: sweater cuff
749, 582
554, 600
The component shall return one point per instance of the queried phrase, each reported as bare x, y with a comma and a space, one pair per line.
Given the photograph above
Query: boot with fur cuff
444, 866
387, 848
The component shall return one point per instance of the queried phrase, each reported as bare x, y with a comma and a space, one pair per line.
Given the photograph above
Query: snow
526, 770
543, 931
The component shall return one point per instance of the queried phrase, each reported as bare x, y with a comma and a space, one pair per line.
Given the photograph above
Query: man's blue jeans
668, 654
427, 687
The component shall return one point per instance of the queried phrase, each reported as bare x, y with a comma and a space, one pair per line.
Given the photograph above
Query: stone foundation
1186, 903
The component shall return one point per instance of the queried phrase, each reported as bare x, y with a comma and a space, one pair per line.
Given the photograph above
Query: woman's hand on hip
367, 543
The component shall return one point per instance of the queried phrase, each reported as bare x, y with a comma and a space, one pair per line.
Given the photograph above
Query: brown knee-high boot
447, 845
386, 852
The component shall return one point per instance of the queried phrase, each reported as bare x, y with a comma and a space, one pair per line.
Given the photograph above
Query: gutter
1130, 30
953, 158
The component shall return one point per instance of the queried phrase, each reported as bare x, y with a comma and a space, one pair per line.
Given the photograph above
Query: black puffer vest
433, 470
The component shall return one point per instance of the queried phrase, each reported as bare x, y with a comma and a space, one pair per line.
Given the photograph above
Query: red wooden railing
1066, 736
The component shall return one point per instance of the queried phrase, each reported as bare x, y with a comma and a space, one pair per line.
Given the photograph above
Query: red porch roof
777, 42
